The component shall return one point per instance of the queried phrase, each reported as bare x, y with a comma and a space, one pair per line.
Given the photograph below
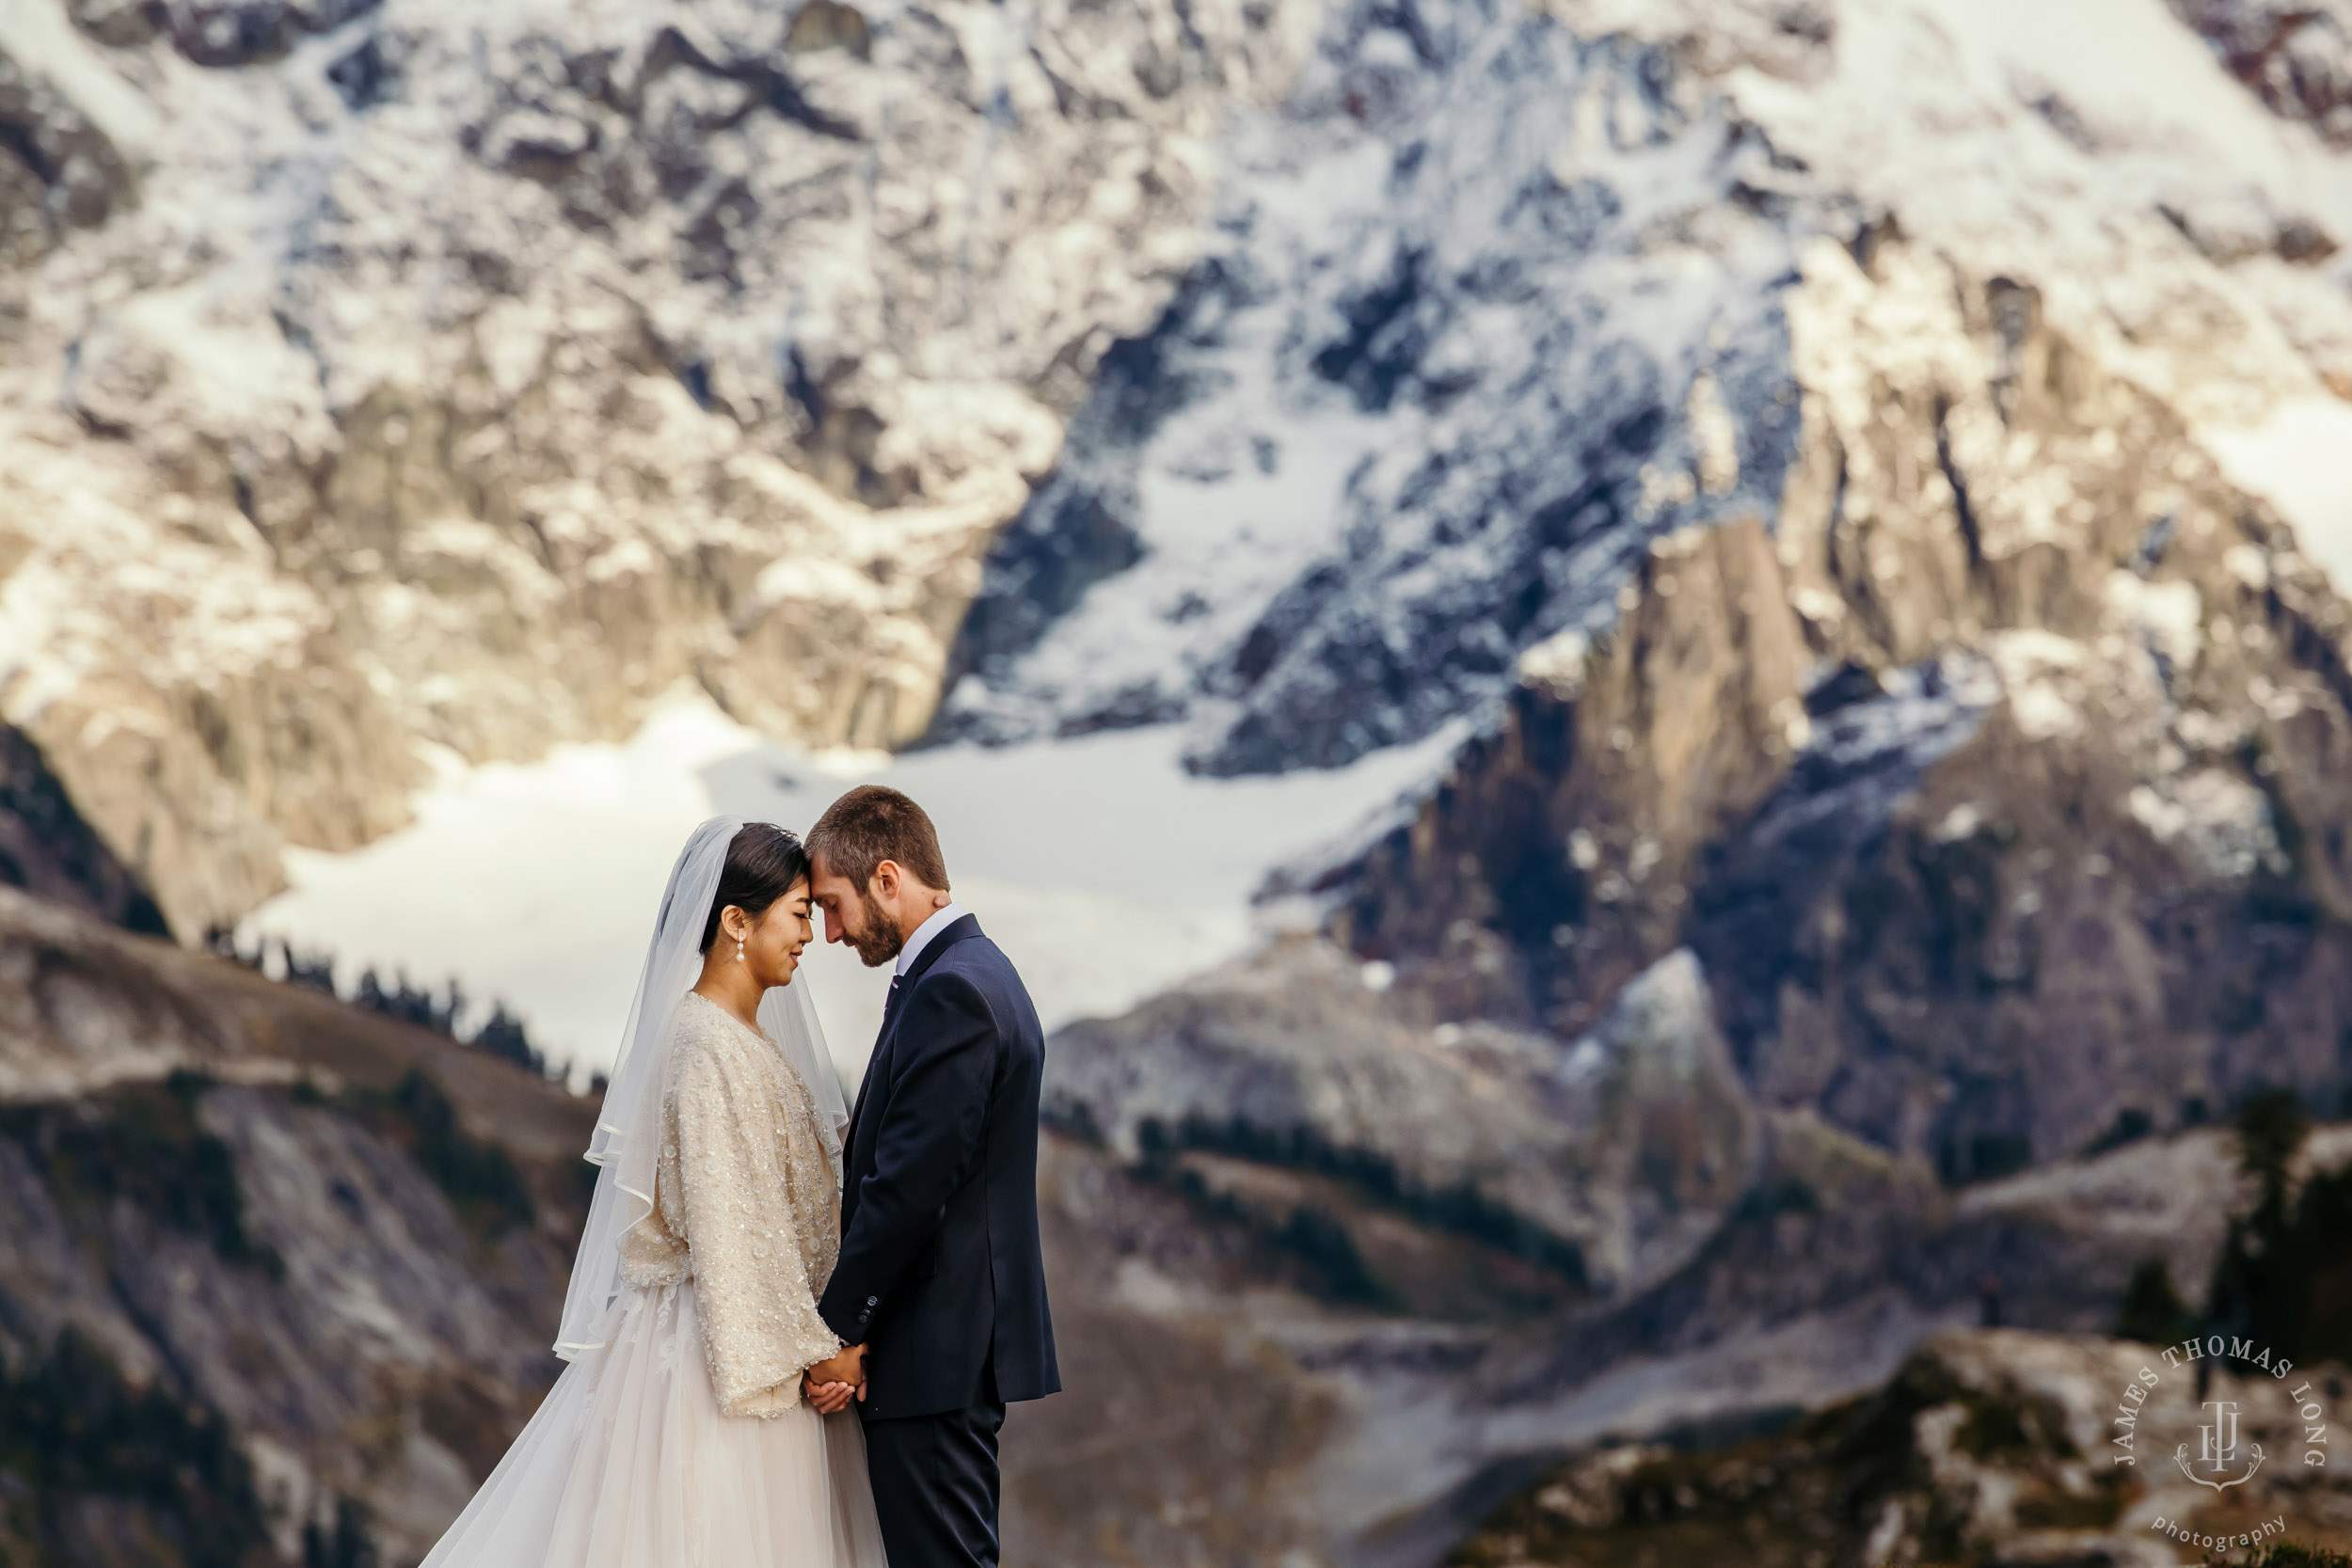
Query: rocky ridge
1431, 1317
207, 1164
1984, 1448
1951, 785
279, 1272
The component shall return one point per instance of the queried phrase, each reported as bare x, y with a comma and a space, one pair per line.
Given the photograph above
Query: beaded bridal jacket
744, 1206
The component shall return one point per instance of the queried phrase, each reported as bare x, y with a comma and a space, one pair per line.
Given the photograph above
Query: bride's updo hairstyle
763, 863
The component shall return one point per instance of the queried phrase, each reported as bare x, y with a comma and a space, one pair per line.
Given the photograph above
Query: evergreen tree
2250, 1292
2154, 1312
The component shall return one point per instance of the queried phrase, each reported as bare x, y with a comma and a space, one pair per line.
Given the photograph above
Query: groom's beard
875, 941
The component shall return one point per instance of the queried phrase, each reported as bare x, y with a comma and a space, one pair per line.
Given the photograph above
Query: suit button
873, 1301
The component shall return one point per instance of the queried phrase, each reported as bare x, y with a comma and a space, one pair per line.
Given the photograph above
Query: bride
684, 1431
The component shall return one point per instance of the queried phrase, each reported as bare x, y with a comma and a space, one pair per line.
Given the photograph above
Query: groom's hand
848, 1367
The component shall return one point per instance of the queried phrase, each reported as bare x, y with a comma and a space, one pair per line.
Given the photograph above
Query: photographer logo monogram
2209, 1440
2218, 1450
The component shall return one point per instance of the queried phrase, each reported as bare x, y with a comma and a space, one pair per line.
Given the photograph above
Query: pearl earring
738, 949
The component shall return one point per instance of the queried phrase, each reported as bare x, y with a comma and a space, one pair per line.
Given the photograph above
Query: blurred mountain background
1660, 692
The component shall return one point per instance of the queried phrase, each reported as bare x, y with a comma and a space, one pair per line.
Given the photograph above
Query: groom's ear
884, 883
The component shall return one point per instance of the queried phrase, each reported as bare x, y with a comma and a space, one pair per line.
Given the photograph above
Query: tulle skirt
630, 1464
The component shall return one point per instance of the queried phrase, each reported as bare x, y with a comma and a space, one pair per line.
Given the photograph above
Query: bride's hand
827, 1399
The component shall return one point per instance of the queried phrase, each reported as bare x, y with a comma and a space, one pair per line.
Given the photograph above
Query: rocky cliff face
1993, 806
47, 849
386, 373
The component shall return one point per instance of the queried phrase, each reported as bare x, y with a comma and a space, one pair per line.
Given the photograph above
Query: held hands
847, 1366
831, 1383
826, 1399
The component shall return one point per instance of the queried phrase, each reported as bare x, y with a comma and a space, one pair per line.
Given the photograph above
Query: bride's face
773, 946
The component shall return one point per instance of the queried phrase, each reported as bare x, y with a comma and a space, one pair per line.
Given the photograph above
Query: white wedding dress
678, 1438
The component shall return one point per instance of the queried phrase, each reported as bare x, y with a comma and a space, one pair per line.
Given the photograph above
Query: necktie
890, 1009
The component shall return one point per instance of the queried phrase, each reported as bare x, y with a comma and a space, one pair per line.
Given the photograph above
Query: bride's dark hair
763, 863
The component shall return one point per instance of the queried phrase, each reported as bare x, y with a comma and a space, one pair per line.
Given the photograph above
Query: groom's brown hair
873, 824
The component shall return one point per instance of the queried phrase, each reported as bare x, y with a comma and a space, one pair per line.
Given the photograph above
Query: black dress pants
935, 1487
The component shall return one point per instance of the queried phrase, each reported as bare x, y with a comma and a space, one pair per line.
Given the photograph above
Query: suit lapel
875, 1071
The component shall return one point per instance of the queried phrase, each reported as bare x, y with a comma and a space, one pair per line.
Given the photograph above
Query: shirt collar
940, 921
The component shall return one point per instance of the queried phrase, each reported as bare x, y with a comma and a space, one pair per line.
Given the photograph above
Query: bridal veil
628, 1131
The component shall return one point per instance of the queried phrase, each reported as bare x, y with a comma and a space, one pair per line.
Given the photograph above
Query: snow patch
1960, 823
2168, 615
1106, 870
2221, 822
2300, 460
1557, 664
2040, 671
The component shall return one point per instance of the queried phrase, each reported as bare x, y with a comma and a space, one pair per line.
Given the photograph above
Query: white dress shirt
940, 921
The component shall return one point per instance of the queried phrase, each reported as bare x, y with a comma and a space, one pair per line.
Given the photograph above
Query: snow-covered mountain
413, 373
1495, 299
1835, 512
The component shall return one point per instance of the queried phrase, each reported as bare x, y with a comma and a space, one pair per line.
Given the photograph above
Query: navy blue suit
941, 1275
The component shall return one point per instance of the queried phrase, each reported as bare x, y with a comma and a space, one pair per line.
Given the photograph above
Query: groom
940, 1282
